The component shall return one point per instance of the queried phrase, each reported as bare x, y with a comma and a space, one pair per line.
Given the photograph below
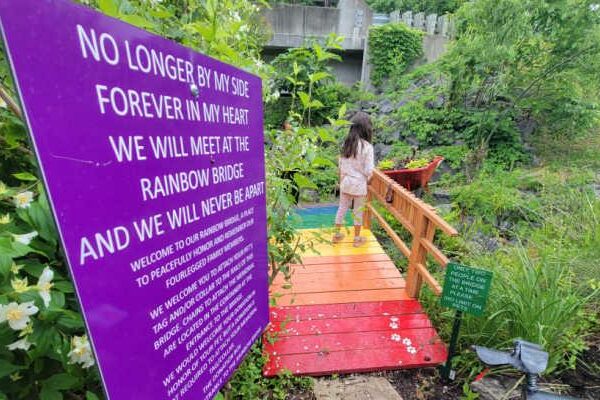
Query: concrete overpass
292, 24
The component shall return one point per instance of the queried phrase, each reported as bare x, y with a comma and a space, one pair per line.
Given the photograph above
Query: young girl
356, 166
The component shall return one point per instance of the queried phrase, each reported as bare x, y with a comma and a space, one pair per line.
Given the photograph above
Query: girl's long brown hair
361, 128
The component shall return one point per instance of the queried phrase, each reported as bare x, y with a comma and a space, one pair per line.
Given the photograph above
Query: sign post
466, 289
153, 159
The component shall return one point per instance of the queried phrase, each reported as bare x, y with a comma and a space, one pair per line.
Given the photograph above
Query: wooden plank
316, 269
393, 235
348, 325
350, 296
343, 249
342, 259
349, 310
435, 252
429, 279
338, 272
405, 221
352, 361
339, 284
389, 340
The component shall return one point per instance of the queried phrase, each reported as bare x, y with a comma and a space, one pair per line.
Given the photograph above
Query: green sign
466, 289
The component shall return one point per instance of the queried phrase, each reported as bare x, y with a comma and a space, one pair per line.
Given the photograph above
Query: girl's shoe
337, 237
359, 241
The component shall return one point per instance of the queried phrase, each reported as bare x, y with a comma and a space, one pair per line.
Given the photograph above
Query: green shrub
392, 48
533, 299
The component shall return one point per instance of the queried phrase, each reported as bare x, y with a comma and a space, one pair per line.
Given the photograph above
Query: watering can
526, 357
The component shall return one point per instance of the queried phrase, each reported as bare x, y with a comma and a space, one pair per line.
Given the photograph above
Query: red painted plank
341, 297
389, 340
331, 311
347, 325
327, 363
310, 260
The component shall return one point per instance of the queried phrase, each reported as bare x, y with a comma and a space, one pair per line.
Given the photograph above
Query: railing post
418, 255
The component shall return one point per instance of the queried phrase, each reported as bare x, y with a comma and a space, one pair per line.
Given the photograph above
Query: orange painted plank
350, 361
351, 296
348, 310
347, 325
342, 259
339, 284
338, 277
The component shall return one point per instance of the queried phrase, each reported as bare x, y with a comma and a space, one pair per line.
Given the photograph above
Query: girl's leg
345, 201
359, 208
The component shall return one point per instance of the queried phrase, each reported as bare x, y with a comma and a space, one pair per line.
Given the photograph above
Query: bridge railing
418, 218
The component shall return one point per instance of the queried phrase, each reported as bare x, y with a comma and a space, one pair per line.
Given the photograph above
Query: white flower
594, 7
396, 337
23, 199
5, 219
407, 342
17, 315
81, 352
25, 238
22, 344
16, 268
411, 350
44, 284
19, 285
393, 325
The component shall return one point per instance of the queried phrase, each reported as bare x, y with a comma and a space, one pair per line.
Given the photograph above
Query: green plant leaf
50, 394
136, 20
60, 382
91, 396
109, 7
303, 182
6, 368
5, 264
317, 76
322, 162
305, 99
25, 176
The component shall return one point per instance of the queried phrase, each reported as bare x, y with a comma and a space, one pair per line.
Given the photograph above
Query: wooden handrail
419, 219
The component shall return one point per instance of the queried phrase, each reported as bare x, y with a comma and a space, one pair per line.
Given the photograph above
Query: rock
381, 150
596, 189
490, 388
386, 107
412, 141
485, 242
355, 388
443, 208
441, 196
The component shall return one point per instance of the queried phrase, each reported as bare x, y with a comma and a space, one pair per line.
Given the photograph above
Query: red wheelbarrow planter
415, 178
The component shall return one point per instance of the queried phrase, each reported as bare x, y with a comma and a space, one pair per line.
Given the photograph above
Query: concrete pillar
407, 18
443, 25
395, 16
419, 21
430, 24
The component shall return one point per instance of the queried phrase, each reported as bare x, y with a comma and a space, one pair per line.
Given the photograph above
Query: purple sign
152, 155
